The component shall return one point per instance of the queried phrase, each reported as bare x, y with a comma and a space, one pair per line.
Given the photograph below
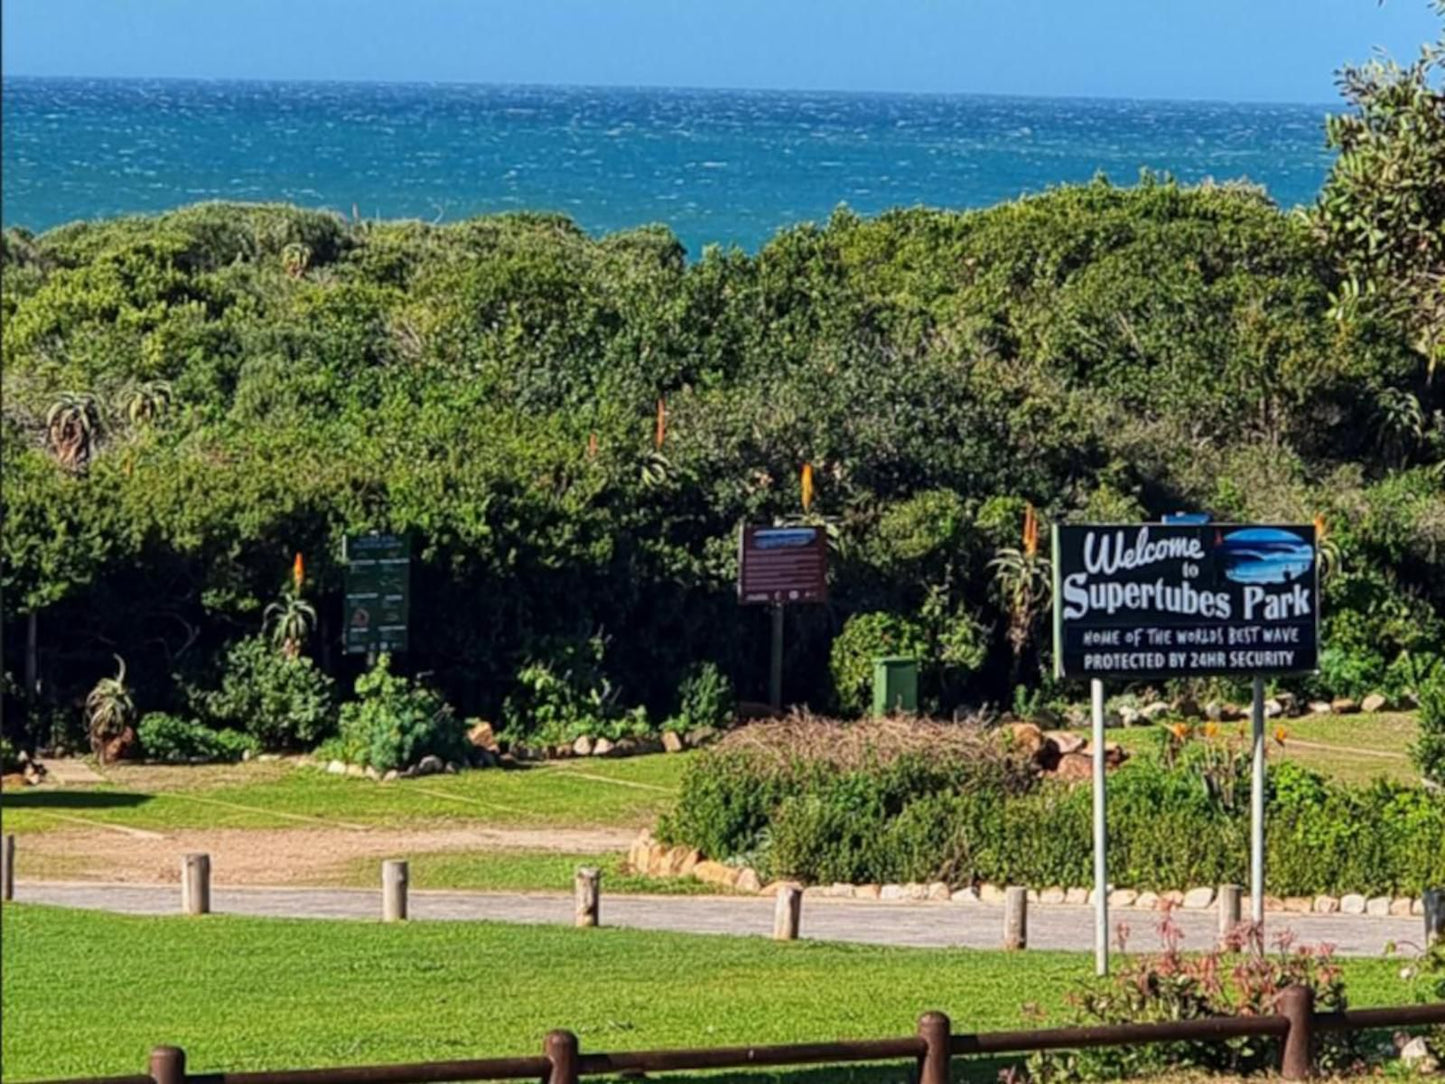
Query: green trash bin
895, 685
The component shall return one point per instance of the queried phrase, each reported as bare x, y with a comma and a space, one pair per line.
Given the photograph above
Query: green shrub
1353, 672
393, 724
866, 637
9, 756
283, 703
563, 693
1428, 752
176, 740
705, 698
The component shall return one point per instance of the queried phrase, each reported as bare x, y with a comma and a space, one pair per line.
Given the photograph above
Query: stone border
650, 858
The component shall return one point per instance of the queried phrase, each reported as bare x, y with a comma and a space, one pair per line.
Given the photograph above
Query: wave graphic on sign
1265, 555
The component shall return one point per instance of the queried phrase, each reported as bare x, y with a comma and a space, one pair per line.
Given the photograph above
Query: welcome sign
1163, 600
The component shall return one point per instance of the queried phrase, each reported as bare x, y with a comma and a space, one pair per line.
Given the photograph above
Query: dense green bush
704, 699
284, 703
393, 723
1428, 752
866, 637
1170, 827
176, 740
9, 756
564, 694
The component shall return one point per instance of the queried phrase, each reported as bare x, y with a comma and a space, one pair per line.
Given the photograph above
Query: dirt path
277, 856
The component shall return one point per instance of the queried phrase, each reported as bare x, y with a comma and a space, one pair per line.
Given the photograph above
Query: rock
625, 747
481, 736
506, 760
1187, 707
1325, 905
1027, 738
1075, 767
1122, 897
1153, 712
1076, 717
812, 892
839, 891
775, 887
336, 767
1114, 754
892, 892
1298, 905
679, 861
603, 747
965, 895
372, 774
1273, 709
715, 873
1273, 903
695, 739
1197, 899
582, 747
915, 892
1352, 904
672, 741
748, 880
1343, 705
1214, 711
1373, 703
1288, 702
452, 767
938, 891
1231, 712
1416, 1054
1173, 898
431, 764
245, 755
1147, 901
1320, 707
1065, 741
356, 771
268, 758
1052, 894
1379, 906
866, 892
120, 747
1417, 906
1130, 716
990, 893
389, 776
1400, 906
1076, 896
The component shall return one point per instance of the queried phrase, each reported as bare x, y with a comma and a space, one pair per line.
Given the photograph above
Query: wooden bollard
168, 1065
586, 895
1296, 1056
786, 912
1015, 918
1229, 912
393, 890
935, 1030
561, 1050
196, 884
1434, 899
7, 868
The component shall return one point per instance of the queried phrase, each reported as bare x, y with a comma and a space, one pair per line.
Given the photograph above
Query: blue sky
1234, 50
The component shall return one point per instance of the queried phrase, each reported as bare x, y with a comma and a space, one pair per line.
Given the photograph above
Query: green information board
378, 593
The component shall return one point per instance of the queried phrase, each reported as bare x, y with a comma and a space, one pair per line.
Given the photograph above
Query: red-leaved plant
1234, 978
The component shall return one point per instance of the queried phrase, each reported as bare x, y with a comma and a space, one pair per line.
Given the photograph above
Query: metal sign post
1256, 809
776, 566
1101, 861
775, 662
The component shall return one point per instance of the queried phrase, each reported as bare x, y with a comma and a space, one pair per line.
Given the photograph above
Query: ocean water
716, 166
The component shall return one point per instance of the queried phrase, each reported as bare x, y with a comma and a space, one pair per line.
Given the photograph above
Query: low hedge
919, 818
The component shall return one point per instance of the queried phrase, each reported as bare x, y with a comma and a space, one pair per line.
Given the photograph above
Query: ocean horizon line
659, 88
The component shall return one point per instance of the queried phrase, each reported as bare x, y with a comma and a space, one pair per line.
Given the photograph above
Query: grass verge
90, 993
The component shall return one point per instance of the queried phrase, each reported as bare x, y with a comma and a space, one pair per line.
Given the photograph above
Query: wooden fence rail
933, 1047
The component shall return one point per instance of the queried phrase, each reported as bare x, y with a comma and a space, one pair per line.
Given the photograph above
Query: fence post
786, 913
1434, 899
168, 1065
394, 878
7, 868
934, 1030
195, 886
1296, 1058
1015, 917
1228, 909
586, 897
561, 1050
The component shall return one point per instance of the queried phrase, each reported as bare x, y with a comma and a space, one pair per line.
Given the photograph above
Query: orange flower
1031, 530
1211, 730
298, 572
1322, 529
1280, 733
1179, 730
592, 446
661, 423
807, 483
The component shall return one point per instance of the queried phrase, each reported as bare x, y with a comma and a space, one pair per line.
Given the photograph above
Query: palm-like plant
109, 709
73, 426
1327, 549
1401, 422
295, 259
1025, 580
147, 401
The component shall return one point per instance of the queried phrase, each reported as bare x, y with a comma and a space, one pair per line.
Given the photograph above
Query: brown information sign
783, 564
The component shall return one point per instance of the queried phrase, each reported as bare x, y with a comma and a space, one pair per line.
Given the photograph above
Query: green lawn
90, 993
523, 871
1352, 748
616, 793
